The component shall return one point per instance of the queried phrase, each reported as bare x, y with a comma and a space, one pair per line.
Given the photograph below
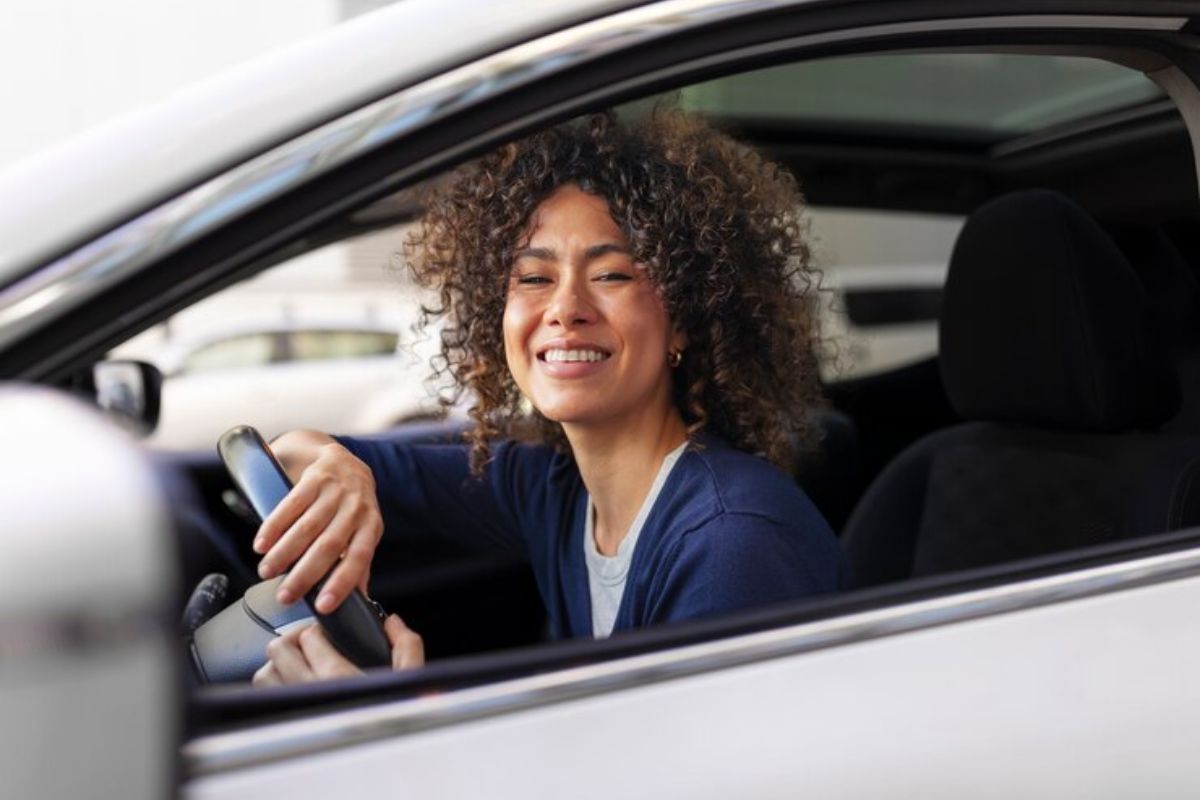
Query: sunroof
997, 94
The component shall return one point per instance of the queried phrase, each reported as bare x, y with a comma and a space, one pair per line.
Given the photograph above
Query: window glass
981, 93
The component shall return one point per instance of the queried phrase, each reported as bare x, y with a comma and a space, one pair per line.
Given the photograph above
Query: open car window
883, 245
882, 266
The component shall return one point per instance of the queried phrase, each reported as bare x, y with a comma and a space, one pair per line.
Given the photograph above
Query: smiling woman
586, 335
643, 286
715, 229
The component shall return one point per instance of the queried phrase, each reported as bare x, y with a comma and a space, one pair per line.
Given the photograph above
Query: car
323, 372
1019, 507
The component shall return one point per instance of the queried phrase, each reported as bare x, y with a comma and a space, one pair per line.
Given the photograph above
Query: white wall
66, 65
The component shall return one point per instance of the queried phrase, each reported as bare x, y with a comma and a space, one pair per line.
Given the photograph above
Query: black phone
356, 626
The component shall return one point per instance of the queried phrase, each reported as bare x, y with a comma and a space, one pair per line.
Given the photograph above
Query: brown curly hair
719, 229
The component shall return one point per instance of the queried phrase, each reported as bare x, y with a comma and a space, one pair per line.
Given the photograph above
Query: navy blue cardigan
729, 530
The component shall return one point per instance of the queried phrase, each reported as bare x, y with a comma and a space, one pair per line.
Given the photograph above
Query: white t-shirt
606, 574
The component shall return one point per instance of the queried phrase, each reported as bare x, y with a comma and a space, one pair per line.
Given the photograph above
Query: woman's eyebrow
598, 250
540, 253
590, 254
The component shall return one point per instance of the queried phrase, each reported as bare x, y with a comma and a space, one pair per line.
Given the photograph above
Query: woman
643, 285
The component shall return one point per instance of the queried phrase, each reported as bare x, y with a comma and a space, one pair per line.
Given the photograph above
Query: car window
322, 345
882, 270
346, 306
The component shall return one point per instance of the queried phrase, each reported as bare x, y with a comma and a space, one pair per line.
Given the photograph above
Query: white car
321, 373
1022, 508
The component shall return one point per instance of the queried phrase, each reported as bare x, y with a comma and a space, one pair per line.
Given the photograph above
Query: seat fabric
1051, 350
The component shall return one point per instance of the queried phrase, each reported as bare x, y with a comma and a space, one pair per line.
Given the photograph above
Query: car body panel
1032, 702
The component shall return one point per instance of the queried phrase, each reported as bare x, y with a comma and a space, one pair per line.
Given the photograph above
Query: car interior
1055, 426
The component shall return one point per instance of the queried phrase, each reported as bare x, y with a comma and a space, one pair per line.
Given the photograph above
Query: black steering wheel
231, 645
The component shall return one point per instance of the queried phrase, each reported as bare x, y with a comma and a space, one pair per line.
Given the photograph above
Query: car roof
146, 157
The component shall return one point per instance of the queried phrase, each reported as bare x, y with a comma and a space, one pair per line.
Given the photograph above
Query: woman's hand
305, 655
330, 515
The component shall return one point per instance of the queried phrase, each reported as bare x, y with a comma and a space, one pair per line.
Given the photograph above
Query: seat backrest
1174, 290
1051, 350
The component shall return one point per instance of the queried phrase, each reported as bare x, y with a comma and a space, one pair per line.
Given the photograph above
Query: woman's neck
618, 465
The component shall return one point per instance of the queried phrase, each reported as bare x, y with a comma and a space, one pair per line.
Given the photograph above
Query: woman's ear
679, 340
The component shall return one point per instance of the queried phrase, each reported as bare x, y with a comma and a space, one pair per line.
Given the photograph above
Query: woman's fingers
354, 569
408, 649
287, 512
330, 516
301, 656
320, 557
267, 676
299, 536
323, 658
306, 654
286, 659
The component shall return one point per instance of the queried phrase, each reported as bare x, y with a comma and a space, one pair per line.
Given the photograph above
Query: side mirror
129, 392
89, 670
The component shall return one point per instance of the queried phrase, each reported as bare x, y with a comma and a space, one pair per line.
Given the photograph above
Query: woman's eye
532, 280
614, 276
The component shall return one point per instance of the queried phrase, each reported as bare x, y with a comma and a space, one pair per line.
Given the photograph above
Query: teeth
575, 355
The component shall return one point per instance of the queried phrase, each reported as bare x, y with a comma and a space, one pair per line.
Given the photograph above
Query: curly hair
719, 229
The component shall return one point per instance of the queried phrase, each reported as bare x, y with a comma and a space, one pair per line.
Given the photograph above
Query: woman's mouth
556, 355
572, 362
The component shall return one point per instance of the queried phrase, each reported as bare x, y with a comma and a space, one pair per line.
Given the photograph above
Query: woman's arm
337, 510
330, 516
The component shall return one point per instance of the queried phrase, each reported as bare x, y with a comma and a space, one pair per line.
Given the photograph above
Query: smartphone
356, 626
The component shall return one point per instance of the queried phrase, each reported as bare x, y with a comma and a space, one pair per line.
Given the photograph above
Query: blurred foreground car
1020, 509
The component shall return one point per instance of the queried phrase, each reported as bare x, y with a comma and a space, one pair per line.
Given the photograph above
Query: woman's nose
570, 305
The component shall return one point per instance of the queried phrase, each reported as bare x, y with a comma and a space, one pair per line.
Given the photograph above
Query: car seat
1174, 291
827, 465
1051, 353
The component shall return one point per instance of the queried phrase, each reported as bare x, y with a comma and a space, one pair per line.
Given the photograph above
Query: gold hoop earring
674, 358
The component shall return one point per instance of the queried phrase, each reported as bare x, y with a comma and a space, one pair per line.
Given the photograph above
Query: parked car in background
319, 373
1021, 509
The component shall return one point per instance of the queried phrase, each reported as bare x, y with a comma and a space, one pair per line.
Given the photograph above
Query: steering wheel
231, 645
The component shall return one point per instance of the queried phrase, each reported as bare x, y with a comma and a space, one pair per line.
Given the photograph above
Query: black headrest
1045, 323
1169, 280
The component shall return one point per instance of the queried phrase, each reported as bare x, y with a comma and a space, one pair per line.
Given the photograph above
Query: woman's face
585, 332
